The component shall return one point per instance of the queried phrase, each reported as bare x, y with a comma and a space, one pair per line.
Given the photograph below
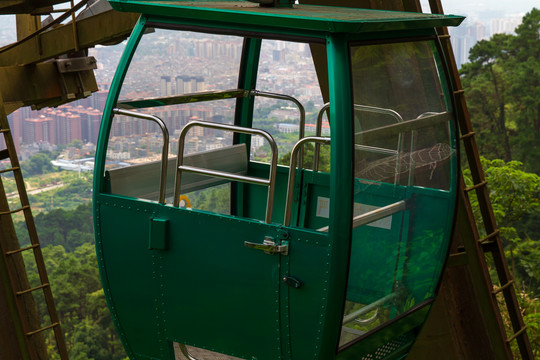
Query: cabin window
404, 166
171, 77
287, 105
290, 96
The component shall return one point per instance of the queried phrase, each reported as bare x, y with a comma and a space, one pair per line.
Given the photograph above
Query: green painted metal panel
130, 275
341, 185
307, 306
217, 278
305, 17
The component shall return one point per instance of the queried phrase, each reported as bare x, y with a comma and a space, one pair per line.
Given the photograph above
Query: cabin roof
304, 17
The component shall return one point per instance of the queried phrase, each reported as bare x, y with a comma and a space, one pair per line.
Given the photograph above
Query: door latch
269, 246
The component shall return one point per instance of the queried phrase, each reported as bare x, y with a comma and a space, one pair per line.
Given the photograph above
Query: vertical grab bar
292, 172
164, 151
270, 182
318, 131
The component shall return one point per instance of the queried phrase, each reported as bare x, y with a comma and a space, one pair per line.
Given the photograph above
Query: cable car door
178, 275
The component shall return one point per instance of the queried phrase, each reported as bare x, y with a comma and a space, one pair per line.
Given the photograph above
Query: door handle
269, 246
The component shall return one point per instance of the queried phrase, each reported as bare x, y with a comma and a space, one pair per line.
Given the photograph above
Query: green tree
502, 83
76, 143
309, 150
80, 303
514, 195
39, 163
523, 67
69, 228
486, 84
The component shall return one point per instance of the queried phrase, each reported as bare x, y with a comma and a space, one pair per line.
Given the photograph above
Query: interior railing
269, 182
165, 148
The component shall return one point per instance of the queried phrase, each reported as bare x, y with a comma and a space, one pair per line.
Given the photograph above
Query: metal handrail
374, 109
412, 146
270, 182
164, 151
370, 307
292, 172
379, 110
397, 152
375, 215
182, 99
318, 131
301, 108
185, 352
212, 96
408, 125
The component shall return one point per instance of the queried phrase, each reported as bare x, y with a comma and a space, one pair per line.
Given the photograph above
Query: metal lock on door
269, 246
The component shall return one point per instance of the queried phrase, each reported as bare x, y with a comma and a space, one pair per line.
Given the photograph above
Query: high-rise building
39, 130
506, 25
88, 124
16, 126
99, 98
74, 130
165, 86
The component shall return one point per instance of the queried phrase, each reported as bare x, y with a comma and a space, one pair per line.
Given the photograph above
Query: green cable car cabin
236, 215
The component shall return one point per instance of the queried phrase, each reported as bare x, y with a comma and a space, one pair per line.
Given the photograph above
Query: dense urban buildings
468, 34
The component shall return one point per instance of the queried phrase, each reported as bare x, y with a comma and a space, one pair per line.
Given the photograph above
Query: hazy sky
487, 8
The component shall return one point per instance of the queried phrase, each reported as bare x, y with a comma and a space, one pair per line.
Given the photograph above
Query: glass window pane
404, 162
168, 64
286, 74
287, 83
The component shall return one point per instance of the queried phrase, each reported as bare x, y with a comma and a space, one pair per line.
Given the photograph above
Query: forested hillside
70, 258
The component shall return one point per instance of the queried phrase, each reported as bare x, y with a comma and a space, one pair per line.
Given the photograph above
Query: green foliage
515, 197
215, 199
38, 164
76, 143
309, 150
65, 189
531, 307
514, 194
77, 187
80, 303
502, 83
62, 227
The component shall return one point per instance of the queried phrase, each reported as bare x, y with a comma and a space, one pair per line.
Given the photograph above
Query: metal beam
27, 6
43, 85
106, 28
